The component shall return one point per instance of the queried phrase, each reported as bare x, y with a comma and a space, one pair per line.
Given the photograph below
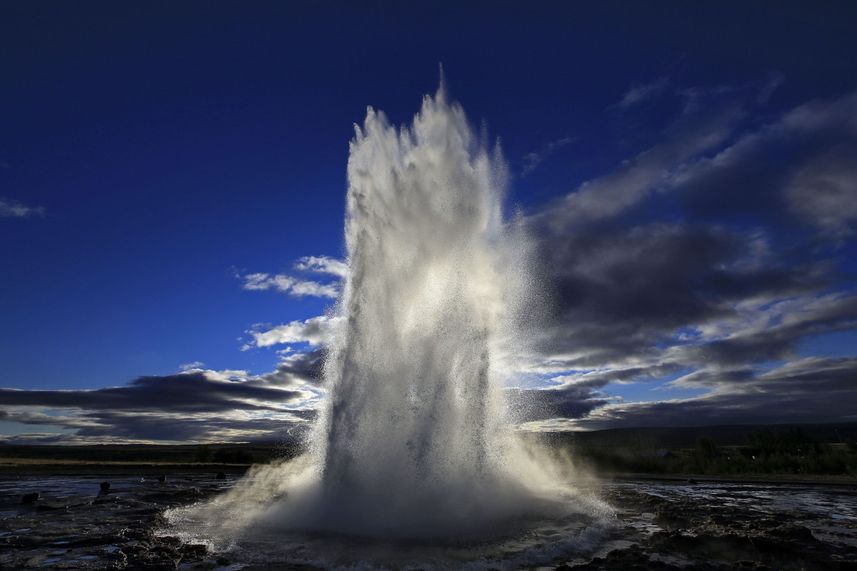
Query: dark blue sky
170, 148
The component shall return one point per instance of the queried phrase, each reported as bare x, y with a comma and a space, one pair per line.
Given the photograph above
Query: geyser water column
413, 439
414, 432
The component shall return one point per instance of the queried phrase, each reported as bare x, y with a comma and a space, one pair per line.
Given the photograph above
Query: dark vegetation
807, 450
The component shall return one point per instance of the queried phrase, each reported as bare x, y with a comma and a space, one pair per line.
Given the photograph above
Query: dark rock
51, 507
101, 501
104, 487
194, 551
692, 482
221, 476
795, 533
162, 479
30, 498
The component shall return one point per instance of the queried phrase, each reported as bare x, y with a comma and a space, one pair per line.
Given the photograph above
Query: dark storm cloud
192, 406
621, 292
776, 340
569, 402
823, 191
800, 166
106, 426
160, 427
707, 255
306, 366
707, 122
186, 392
808, 390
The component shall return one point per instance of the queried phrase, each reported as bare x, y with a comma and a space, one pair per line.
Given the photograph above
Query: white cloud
192, 366
297, 287
287, 284
323, 265
13, 209
314, 331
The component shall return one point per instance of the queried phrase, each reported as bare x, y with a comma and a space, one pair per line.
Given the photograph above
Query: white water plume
414, 438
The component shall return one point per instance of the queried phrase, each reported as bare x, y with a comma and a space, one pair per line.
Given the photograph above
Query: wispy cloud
533, 159
805, 390
13, 209
298, 287
290, 285
643, 92
323, 264
314, 331
640, 294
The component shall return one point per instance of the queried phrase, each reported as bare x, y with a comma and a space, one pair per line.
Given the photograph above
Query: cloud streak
297, 287
710, 256
533, 159
193, 406
314, 331
641, 93
323, 265
287, 284
13, 209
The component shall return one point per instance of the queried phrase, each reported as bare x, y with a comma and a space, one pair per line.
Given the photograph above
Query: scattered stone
796, 533
51, 507
662, 526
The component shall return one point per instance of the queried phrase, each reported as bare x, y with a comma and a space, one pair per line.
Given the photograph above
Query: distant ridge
688, 436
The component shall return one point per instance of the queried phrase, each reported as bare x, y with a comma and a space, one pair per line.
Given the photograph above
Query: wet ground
669, 525
74, 524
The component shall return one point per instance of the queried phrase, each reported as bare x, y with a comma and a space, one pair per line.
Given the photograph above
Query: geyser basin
414, 439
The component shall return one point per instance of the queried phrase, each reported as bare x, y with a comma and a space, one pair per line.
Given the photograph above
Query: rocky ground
79, 523
714, 526
75, 524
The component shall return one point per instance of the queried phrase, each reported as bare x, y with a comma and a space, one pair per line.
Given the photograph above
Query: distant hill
689, 436
650, 438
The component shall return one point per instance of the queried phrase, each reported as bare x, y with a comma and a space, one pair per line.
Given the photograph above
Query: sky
172, 187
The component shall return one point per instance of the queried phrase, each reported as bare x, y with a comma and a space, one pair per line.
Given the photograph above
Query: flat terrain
75, 525
706, 498
659, 524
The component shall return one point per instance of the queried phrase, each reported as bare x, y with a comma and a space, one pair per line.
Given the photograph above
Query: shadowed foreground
660, 525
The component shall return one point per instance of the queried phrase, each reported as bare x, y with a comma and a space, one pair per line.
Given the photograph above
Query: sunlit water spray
414, 439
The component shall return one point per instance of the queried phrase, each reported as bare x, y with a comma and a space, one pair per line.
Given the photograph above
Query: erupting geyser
414, 438
414, 426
